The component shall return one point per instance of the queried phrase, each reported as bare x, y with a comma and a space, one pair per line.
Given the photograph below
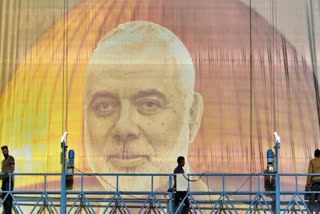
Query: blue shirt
178, 170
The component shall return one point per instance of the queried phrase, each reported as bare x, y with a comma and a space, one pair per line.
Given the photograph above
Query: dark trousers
7, 204
314, 206
179, 196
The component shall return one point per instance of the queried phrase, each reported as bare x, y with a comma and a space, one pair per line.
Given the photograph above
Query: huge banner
137, 83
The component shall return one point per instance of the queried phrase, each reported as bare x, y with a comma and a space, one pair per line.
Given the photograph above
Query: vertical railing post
63, 201
63, 181
170, 194
10, 179
277, 178
258, 184
152, 184
81, 183
296, 178
117, 186
223, 185
45, 184
82, 194
10, 187
45, 189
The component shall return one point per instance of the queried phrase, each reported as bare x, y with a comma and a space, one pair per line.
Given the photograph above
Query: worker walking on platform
313, 182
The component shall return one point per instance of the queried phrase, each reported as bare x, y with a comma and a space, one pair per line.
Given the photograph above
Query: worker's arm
12, 168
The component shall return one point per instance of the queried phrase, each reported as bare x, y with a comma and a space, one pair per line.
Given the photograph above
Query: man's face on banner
137, 116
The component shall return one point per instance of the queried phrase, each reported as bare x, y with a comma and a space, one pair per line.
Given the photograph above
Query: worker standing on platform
7, 167
179, 196
313, 182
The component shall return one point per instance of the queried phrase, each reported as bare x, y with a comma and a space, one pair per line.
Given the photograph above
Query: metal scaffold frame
221, 198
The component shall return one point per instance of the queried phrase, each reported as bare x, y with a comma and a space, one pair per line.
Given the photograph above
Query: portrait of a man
141, 110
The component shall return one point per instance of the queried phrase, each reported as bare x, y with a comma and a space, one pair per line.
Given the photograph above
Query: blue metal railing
232, 193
